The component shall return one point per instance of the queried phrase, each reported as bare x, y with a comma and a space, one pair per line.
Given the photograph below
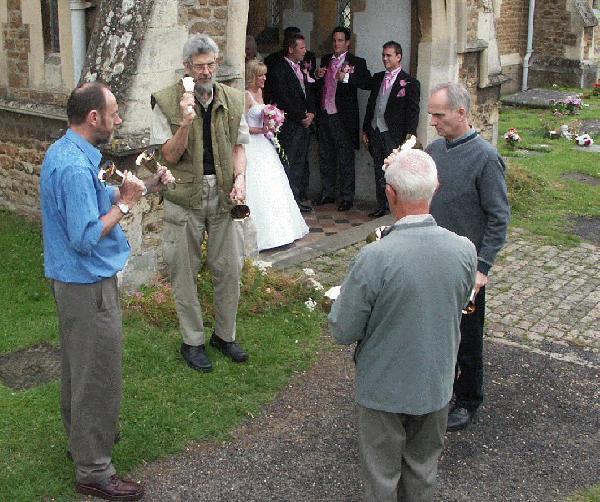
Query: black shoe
196, 357
304, 208
323, 200
459, 418
345, 205
230, 349
378, 213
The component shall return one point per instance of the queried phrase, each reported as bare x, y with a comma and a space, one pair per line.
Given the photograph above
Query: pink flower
348, 68
401, 93
403, 83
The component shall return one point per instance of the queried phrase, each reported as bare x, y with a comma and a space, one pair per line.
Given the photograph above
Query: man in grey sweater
472, 201
401, 302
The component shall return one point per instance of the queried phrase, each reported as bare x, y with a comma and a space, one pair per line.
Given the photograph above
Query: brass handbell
377, 234
470, 308
240, 212
149, 159
109, 173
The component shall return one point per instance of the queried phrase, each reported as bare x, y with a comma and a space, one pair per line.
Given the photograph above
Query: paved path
537, 435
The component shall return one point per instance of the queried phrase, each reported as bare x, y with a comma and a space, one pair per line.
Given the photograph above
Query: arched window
50, 26
274, 13
344, 13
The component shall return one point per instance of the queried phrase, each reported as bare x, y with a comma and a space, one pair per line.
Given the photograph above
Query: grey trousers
183, 236
91, 340
399, 454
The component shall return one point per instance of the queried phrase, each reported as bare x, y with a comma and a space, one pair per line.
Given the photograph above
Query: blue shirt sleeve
80, 206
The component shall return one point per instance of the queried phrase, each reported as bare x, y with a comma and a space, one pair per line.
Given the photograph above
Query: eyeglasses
204, 66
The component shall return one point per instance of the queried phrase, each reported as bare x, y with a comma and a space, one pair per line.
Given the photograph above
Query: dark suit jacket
402, 112
283, 89
310, 60
346, 100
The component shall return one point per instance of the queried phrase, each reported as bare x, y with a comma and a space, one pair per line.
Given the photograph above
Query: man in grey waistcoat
401, 302
472, 201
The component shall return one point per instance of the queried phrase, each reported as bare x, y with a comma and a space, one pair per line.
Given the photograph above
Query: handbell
240, 212
149, 159
377, 234
109, 173
470, 308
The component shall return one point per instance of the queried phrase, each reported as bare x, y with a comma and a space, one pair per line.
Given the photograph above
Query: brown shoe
113, 488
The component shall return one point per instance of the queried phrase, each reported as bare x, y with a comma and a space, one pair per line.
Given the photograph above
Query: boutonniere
348, 68
402, 91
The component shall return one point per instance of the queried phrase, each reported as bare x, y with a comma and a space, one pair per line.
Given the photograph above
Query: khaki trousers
399, 454
91, 340
183, 236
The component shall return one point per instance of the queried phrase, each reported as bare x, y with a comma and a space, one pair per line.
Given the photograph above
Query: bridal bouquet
273, 119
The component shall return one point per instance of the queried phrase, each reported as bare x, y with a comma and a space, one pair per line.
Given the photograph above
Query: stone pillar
237, 19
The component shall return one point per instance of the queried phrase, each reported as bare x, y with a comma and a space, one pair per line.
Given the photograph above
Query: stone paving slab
547, 298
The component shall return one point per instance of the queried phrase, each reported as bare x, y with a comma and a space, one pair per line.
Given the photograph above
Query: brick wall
552, 23
512, 27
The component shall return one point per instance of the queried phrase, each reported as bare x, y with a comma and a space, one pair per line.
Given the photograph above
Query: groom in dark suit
392, 113
288, 88
339, 77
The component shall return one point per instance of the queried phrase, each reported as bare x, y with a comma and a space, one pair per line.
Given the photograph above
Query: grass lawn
542, 199
165, 404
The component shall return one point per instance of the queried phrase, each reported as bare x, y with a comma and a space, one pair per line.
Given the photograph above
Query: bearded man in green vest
202, 134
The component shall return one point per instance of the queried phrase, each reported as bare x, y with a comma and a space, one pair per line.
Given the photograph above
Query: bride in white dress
268, 194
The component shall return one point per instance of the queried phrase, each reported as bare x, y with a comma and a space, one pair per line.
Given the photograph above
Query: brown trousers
91, 340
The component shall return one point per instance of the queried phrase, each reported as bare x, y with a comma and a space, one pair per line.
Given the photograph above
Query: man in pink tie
339, 77
392, 113
287, 87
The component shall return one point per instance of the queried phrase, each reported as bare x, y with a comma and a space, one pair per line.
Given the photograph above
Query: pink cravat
298, 72
328, 102
389, 78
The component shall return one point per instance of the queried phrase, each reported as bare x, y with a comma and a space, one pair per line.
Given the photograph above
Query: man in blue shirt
84, 248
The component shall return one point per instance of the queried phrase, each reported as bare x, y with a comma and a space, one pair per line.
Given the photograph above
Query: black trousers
381, 145
335, 149
468, 384
295, 138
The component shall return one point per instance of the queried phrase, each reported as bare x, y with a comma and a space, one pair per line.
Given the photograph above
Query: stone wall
23, 144
484, 109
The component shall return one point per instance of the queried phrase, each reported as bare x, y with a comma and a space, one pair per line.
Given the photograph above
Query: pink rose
403, 83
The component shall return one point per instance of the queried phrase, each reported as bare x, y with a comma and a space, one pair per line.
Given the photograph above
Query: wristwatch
124, 208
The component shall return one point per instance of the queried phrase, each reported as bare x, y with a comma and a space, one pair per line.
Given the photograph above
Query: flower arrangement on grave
512, 137
584, 140
569, 106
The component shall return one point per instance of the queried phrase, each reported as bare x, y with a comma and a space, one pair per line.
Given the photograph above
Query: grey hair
199, 43
458, 95
413, 175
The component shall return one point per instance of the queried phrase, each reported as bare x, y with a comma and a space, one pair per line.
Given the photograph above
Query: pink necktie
298, 72
387, 81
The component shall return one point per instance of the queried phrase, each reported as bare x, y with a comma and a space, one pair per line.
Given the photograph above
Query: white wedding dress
268, 194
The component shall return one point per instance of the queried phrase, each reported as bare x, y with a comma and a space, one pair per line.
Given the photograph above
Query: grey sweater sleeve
494, 203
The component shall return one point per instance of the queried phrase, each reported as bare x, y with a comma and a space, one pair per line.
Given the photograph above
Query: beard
206, 86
